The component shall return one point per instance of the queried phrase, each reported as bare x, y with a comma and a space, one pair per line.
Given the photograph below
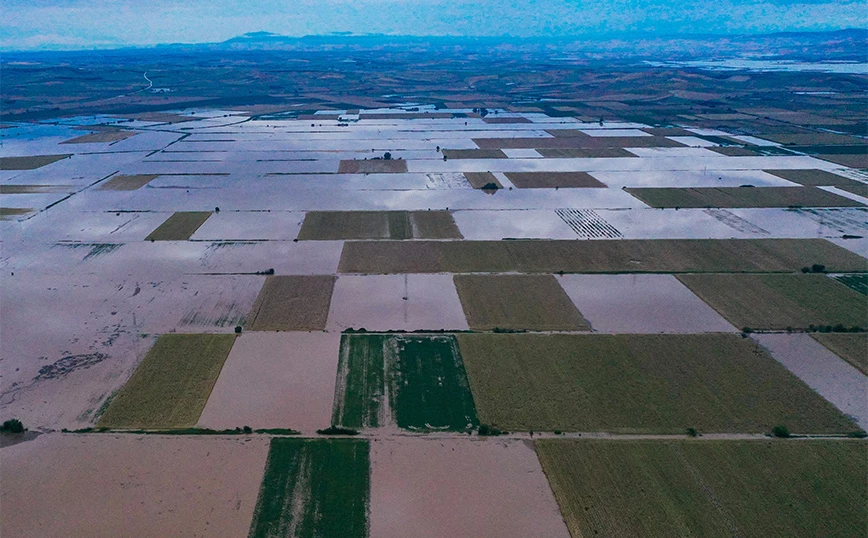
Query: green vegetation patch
535, 302
734, 197
858, 282
337, 225
314, 487
778, 302
638, 384
30, 162
616, 256
852, 347
180, 226
416, 382
774, 489
170, 387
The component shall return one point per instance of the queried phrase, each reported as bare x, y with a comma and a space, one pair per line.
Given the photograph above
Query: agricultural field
709, 488
128, 183
814, 178
171, 385
314, 487
30, 162
853, 348
473, 154
638, 384
732, 197
380, 166
332, 225
481, 180
292, 303
622, 256
779, 302
101, 136
535, 302
858, 282
550, 180
180, 226
416, 383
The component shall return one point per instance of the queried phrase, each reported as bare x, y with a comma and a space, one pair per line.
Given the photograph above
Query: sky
83, 24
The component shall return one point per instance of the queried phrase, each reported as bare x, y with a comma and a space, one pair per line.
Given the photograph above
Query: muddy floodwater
460, 487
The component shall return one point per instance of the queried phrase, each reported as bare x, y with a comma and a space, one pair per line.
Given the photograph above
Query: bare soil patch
292, 303
180, 226
30, 163
550, 180
535, 302
127, 183
378, 166
849, 160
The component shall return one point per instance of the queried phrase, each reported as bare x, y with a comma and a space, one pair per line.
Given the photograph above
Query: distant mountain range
849, 44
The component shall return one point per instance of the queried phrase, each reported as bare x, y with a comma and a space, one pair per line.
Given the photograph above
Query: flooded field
252, 282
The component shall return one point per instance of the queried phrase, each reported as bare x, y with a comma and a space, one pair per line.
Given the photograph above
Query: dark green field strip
638, 384
813, 178
30, 162
170, 387
857, 282
314, 488
778, 302
396, 225
673, 489
740, 197
417, 382
616, 256
180, 226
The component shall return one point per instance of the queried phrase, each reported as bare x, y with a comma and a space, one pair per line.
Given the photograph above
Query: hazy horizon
75, 24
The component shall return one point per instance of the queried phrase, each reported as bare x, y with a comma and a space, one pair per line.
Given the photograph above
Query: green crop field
333, 225
614, 256
180, 226
779, 302
638, 384
170, 387
852, 347
661, 197
671, 489
416, 382
535, 302
857, 282
314, 487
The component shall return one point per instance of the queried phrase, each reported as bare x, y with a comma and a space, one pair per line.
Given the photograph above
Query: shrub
806, 269
337, 430
12, 426
247, 429
818, 268
781, 431
238, 329
692, 432
485, 429
490, 186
